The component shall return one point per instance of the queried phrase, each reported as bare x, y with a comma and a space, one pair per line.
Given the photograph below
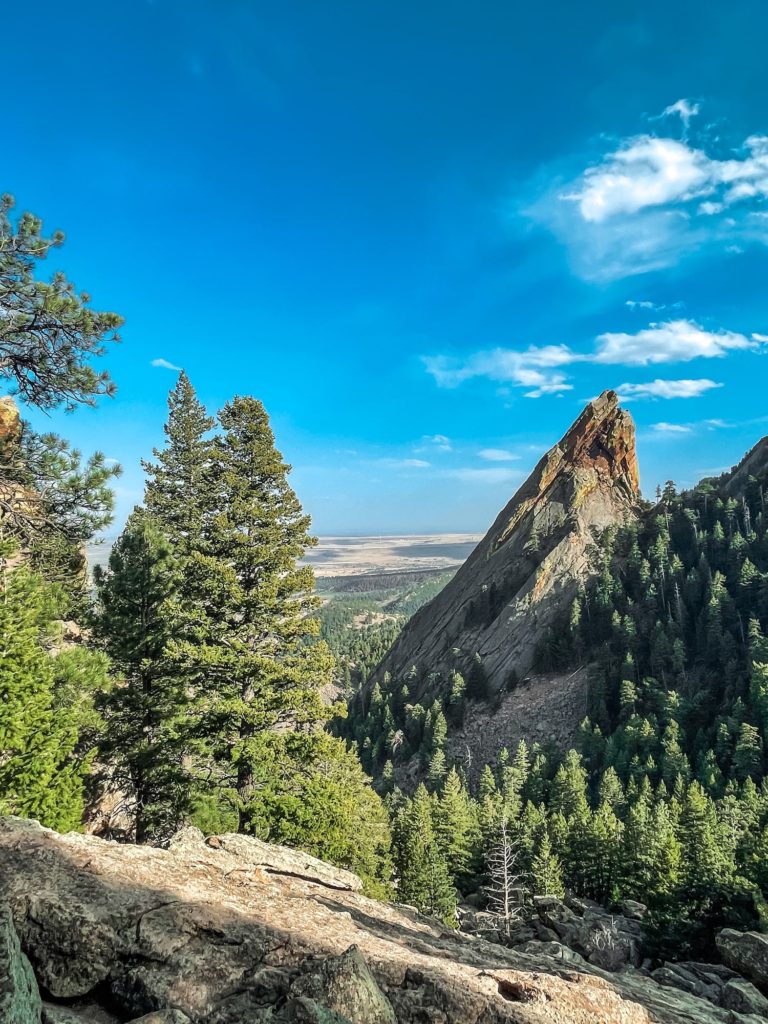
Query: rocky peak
603, 439
754, 464
526, 571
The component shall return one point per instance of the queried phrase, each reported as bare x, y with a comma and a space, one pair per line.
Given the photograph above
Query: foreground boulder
20, 1001
224, 931
745, 952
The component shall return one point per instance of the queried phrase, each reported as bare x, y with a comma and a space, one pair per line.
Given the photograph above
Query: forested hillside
666, 799
361, 616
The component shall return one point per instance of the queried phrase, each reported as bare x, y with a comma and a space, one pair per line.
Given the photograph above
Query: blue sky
423, 234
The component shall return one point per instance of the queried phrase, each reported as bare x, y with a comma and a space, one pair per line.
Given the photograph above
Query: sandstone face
527, 569
204, 933
754, 463
10, 423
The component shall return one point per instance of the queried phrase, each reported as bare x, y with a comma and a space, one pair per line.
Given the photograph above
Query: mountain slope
511, 589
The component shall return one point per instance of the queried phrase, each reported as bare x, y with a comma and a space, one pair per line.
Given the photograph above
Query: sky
424, 235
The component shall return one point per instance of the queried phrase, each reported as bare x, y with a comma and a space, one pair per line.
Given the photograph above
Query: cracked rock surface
222, 932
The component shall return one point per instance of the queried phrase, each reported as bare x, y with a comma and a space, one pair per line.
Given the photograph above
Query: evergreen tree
252, 658
180, 492
455, 827
314, 795
143, 739
423, 879
42, 769
546, 871
48, 332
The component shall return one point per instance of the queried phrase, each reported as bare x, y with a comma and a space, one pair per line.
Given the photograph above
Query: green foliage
310, 792
44, 702
57, 505
250, 655
423, 878
143, 741
48, 332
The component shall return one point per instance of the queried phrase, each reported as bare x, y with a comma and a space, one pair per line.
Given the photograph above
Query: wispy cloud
671, 428
163, 364
538, 369
491, 475
497, 455
684, 109
529, 368
666, 389
438, 442
391, 463
651, 199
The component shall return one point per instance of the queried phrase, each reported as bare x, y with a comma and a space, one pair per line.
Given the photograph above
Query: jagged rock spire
528, 567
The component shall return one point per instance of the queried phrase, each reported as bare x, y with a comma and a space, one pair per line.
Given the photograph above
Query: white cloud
529, 368
405, 463
497, 455
438, 441
665, 389
684, 108
676, 341
485, 476
165, 365
646, 171
642, 304
651, 199
671, 428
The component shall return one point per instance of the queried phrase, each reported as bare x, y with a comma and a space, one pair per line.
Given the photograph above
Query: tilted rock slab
214, 930
745, 952
528, 568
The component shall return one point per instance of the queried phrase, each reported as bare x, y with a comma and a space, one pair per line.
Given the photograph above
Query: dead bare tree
506, 891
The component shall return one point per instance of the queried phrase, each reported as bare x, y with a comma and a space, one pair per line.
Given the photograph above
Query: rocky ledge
232, 931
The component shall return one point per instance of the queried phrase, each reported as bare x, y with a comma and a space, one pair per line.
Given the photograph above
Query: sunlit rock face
525, 572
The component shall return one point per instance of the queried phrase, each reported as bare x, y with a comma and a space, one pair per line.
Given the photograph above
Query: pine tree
252, 658
438, 767
180, 492
327, 808
423, 879
569, 787
455, 827
42, 770
48, 332
705, 864
748, 755
143, 738
546, 871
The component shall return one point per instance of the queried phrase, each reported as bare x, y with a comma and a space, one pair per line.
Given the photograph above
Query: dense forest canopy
666, 799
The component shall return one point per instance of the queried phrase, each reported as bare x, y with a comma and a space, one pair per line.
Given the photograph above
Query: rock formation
230, 931
754, 464
507, 595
